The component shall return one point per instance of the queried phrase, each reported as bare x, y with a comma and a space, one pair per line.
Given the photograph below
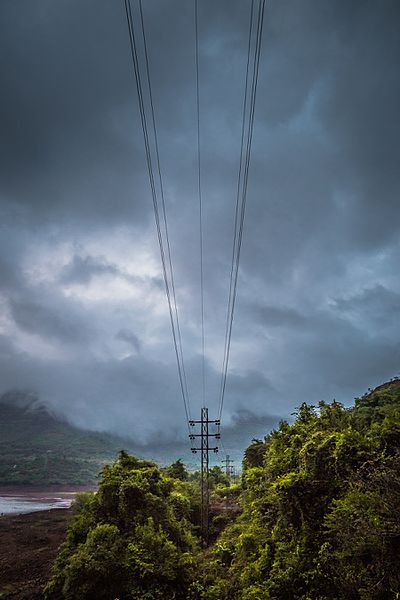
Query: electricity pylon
228, 464
205, 450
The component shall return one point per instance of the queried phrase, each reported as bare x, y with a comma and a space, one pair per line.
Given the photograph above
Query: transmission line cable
164, 211
241, 198
135, 61
196, 20
235, 229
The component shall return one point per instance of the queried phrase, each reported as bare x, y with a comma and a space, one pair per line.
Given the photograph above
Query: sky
84, 320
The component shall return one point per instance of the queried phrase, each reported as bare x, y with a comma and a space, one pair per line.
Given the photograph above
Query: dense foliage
321, 500
132, 540
316, 517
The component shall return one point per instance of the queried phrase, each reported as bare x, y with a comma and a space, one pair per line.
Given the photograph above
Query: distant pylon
228, 464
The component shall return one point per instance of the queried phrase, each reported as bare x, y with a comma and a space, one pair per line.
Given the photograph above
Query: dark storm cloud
359, 109
278, 316
130, 338
82, 269
377, 303
7, 277
48, 321
64, 80
317, 313
245, 427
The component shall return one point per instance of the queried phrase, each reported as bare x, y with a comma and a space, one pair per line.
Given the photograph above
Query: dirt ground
28, 547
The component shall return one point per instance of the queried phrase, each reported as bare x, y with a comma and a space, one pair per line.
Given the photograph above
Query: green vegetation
133, 539
321, 502
315, 517
38, 449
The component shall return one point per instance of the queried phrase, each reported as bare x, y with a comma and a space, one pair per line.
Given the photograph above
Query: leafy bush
131, 540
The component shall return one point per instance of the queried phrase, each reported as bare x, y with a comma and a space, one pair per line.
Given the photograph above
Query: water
31, 502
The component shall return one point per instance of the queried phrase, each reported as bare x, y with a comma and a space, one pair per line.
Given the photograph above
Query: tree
177, 470
131, 540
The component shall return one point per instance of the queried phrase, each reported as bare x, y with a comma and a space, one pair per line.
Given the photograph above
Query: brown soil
28, 547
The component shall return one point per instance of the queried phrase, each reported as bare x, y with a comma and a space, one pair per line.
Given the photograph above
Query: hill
37, 448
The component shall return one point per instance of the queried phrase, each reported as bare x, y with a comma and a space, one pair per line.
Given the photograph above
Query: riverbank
29, 544
27, 499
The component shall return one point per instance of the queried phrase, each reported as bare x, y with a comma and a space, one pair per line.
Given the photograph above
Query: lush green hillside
320, 502
37, 448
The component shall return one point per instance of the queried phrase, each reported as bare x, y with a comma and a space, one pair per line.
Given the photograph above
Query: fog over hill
39, 446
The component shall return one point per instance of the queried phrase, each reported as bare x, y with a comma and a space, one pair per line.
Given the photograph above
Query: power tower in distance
228, 466
205, 450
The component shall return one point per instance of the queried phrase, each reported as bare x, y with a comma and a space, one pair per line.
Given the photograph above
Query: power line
239, 236
164, 212
242, 186
135, 60
235, 229
241, 196
196, 21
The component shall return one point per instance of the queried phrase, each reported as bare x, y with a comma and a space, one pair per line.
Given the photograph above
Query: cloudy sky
83, 315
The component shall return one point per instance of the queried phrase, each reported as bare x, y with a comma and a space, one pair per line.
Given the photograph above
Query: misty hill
38, 448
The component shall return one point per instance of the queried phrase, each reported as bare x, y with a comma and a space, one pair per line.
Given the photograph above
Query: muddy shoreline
27, 499
28, 547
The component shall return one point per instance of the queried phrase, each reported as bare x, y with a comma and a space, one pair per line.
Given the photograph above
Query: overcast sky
83, 315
